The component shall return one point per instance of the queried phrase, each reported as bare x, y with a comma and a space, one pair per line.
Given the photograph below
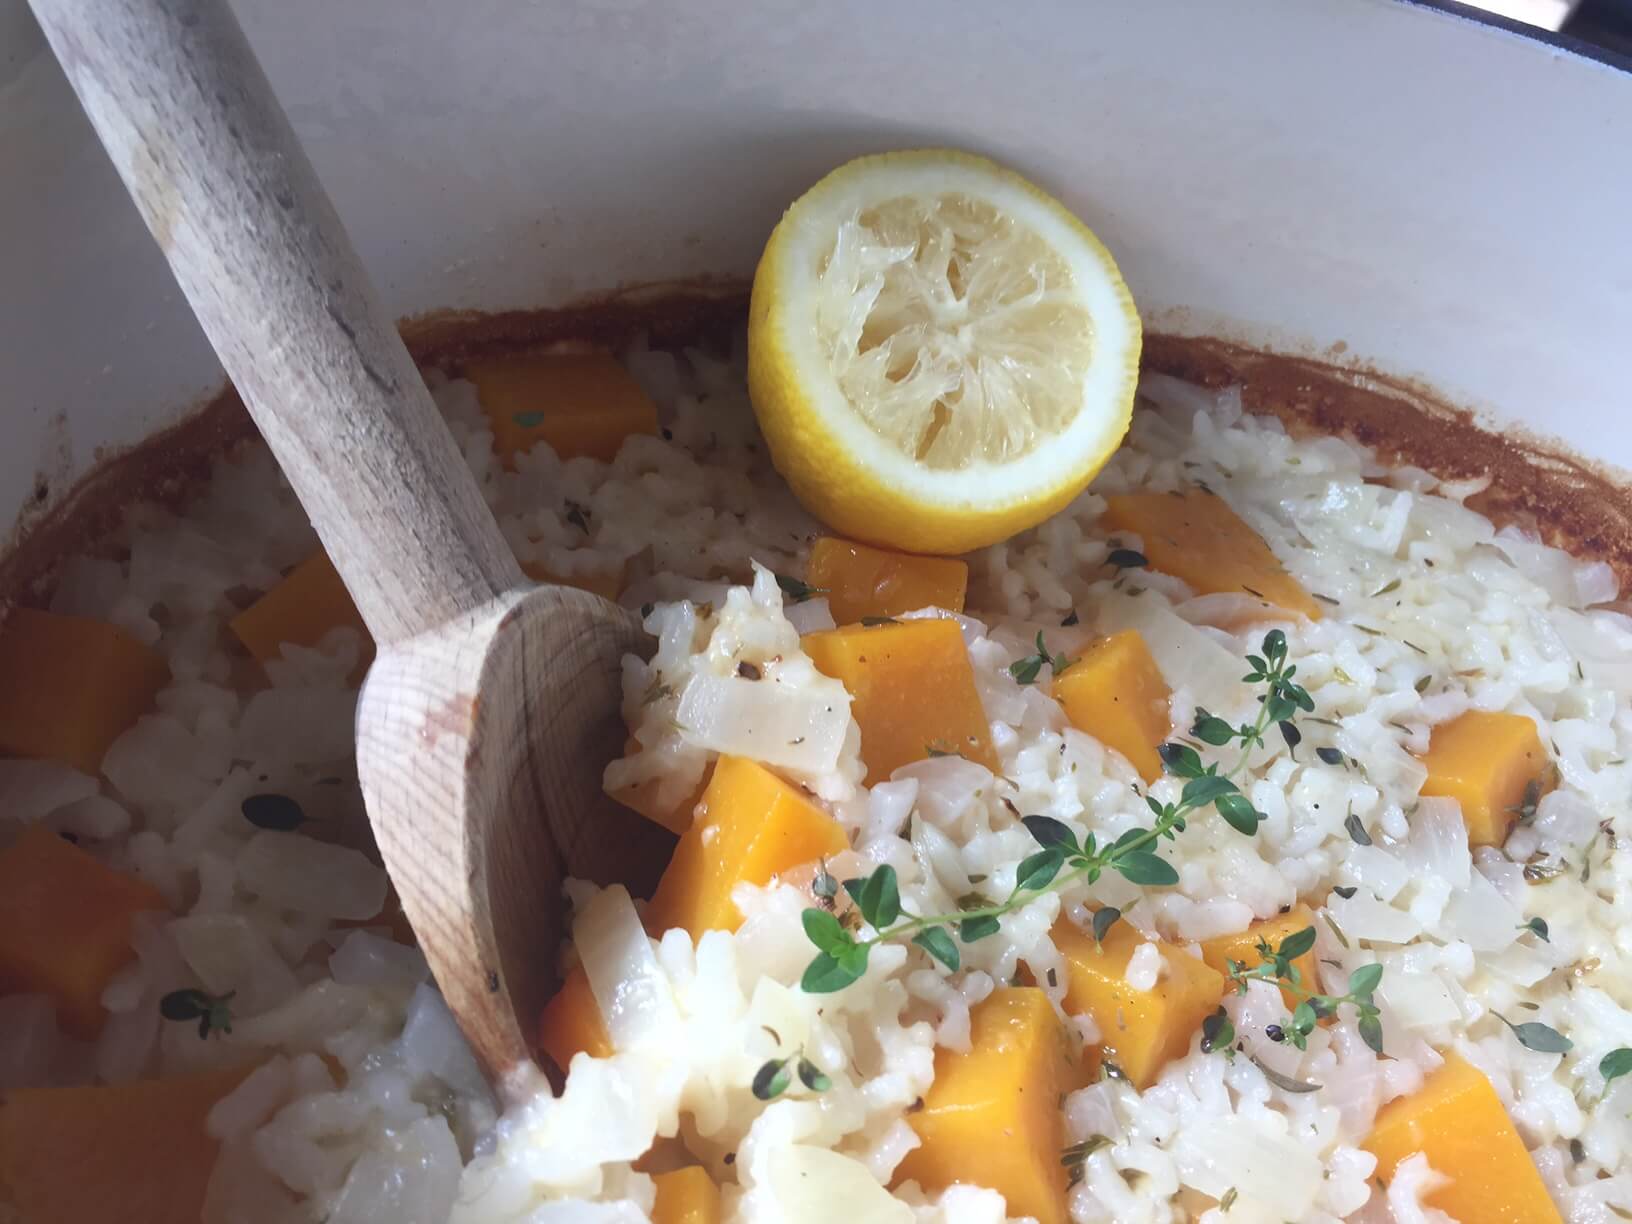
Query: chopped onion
815, 1186
800, 728
1480, 916
629, 987
1438, 844
1418, 1000
1275, 1176
810, 616
1362, 916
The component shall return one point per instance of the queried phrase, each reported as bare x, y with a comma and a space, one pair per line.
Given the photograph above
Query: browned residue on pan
1568, 500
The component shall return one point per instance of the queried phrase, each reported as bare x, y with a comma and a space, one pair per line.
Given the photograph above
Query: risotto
1239, 844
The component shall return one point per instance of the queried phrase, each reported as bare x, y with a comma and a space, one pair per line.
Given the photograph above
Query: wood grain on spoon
493, 704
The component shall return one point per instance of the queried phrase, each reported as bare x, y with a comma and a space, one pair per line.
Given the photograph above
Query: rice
367, 1104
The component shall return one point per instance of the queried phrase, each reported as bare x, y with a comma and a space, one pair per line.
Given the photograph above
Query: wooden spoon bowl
492, 706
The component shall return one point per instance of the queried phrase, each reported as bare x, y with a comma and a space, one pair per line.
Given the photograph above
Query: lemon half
939, 353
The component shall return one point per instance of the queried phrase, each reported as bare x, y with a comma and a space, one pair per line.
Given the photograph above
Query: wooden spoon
492, 706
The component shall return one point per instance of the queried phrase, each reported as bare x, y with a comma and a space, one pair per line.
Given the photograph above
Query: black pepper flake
747, 670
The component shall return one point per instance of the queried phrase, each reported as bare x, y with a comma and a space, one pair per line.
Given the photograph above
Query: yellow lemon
939, 353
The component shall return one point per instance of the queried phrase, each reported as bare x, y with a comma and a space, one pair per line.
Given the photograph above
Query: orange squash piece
1457, 1121
1195, 536
133, 1153
73, 685
686, 1196
862, 581
1141, 1030
65, 922
1242, 948
1485, 761
305, 605
580, 403
992, 1116
606, 585
1116, 693
912, 691
571, 1023
749, 827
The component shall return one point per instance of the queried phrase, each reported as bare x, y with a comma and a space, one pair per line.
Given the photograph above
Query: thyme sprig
213, 1012
1278, 967
1026, 670
1060, 859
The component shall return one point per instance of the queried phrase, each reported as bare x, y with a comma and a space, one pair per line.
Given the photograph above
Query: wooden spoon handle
183, 108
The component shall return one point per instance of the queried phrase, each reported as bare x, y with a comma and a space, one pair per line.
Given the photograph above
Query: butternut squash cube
1242, 948
73, 685
135, 1153
571, 1023
580, 403
749, 827
1142, 1030
912, 691
65, 922
606, 585
1116, 693
305, 605
1485, 761
1457, 1121
1195, 536
992, 1116
686, 1196
862, 581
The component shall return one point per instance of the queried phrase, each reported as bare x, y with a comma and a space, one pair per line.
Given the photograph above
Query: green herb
1330, 756
1025, 670
211, 1011
1060, 859
1357, 830
1126, 558
824, 885
796, 591
1276, 966
1614, 1065
1414, 646
1422, 684
1075, 1156
1284, 1082
935, 750
772, 1079
1070, 619
812, 1077
646, 609
873, 622
776, 1075
1228, 1201
1578, 1153
1325, 599
1250, 591
1343, 892
1387, 590
528, 420
1540, 870
1538, 928
578, 516
1104, 919
1337, 931
1534, 1035
279, 813
1217, 1033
